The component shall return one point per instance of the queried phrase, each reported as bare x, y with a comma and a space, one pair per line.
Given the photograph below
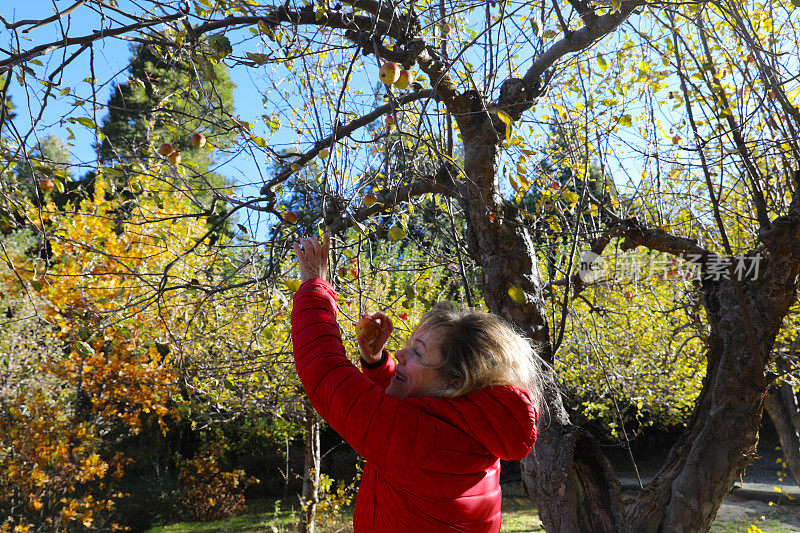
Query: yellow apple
396, 233
517, 294
174, 158
389, 72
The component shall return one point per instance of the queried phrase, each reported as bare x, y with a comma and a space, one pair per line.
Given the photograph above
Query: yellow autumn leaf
517, 294
507, 120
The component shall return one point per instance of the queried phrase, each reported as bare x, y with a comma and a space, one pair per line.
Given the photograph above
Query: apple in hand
403, 80
198, 140
174, 158
165, 149
389, 72
46, 185
367, 329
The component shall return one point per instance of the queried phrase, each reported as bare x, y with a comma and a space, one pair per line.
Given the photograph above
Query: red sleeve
379, 427
381, 375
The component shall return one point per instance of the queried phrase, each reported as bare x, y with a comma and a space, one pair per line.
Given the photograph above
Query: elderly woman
433, 425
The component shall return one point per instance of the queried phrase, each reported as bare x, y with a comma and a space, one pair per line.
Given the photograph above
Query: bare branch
15, 59
48, 20
340, 133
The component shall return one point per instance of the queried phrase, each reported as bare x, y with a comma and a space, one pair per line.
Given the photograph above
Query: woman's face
418, 371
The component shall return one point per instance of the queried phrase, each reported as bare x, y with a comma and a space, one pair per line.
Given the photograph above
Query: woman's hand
312, 257
371, 351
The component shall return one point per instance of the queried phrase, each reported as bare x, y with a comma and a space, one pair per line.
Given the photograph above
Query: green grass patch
281, 517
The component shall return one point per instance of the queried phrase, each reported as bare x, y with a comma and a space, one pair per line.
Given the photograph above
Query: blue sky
111, 60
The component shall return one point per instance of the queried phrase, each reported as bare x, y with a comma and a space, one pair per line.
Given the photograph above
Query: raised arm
376, 425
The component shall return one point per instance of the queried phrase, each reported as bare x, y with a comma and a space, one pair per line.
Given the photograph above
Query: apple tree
684, 106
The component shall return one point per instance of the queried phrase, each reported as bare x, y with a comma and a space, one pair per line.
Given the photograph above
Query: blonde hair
482, 350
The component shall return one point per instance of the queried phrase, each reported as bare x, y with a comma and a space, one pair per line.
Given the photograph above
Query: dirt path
765, 497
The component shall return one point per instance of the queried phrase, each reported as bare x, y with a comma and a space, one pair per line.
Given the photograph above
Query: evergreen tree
162, 103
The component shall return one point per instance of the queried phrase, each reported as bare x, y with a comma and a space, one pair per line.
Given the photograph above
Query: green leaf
625, 120
320, 14
220, 44
602, 63
205, 68
83, 121
83, 349
258, 59
536, 25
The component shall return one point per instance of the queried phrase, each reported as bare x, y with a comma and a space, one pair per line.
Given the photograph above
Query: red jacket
432, 463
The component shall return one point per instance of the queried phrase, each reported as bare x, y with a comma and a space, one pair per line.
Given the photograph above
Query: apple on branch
174, 158
198, 140
165, 149
396, 233
367, 329
46, 185
370, 199
290, 217
389, 72
403, 80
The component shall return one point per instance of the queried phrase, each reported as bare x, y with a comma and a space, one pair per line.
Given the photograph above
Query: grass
770, 526
281, 517
518, 516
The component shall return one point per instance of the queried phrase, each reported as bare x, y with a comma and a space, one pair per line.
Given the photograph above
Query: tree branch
388, 198
85, 40
341, 133
595, 28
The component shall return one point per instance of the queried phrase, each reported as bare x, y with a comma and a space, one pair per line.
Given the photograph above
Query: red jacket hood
501, 418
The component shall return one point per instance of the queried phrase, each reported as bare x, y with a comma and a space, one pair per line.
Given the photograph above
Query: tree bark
309, 497
781, 404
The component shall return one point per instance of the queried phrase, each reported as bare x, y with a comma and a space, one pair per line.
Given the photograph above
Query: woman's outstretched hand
312, 257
